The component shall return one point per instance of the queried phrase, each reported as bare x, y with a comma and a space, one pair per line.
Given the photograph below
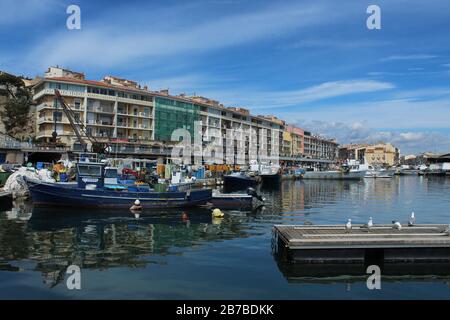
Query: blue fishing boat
238, 181
240, 201
91, 191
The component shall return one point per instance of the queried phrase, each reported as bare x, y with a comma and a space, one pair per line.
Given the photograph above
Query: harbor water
188, 254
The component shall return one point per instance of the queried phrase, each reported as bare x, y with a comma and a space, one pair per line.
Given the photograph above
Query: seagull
368, 225
397, 225
412, 220
348, 226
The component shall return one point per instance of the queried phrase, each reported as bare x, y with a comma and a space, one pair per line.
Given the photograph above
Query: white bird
412, 219
397, 225
348, 226
370, 223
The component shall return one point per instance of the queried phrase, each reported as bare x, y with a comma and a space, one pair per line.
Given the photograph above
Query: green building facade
172, 114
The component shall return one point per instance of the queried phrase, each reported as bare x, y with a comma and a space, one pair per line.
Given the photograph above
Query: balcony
51, 92
42, 120
43, 106
100, 123
135, 115
135, 102
108, 110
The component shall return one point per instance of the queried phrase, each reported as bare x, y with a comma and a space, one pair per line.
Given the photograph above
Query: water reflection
56, 238
350, 273
46, 241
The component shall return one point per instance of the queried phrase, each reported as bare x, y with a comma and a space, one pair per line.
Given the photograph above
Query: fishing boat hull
232, 201
49, 194
238, 182
380, 174
271, 178
334, 175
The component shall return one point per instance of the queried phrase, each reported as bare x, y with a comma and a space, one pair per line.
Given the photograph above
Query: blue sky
312, 63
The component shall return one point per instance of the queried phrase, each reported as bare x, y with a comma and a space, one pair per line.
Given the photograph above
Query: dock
334, 244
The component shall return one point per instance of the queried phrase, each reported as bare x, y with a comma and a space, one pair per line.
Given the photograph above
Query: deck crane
79, 128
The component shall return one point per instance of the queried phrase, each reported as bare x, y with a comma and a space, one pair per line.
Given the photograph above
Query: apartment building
376, 154
120, 111
382, 154
297, 144
352, 152
318, 147
106, 110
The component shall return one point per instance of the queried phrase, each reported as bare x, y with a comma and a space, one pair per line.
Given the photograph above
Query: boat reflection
56, 238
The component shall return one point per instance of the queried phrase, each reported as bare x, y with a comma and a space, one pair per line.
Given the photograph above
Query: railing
140, 150
7, 142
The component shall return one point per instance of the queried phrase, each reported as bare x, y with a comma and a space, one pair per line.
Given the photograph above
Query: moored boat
232, 201
242, 201
379, 173
238, 181
90, 191
346, 172
270, 173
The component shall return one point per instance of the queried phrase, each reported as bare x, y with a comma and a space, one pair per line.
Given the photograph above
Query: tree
16, 107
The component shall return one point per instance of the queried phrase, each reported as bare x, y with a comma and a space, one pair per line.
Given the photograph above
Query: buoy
136, 206
217, 213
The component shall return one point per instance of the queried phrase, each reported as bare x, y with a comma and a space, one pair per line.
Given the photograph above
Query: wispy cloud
388, 113
335, 43
361, 132
95, 46
410, 57
278, 99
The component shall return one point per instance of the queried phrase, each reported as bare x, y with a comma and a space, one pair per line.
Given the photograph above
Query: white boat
346, 172
379, 173
270, 172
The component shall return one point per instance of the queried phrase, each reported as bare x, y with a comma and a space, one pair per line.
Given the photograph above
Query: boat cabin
90, 174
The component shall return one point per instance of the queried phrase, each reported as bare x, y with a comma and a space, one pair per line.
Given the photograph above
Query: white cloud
106, 45
278, 99
360, 132
410, 57
394, 113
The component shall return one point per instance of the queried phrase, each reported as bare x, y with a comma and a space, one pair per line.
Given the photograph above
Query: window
93, 90
89, 170
57, 116
77, 103
77, 116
